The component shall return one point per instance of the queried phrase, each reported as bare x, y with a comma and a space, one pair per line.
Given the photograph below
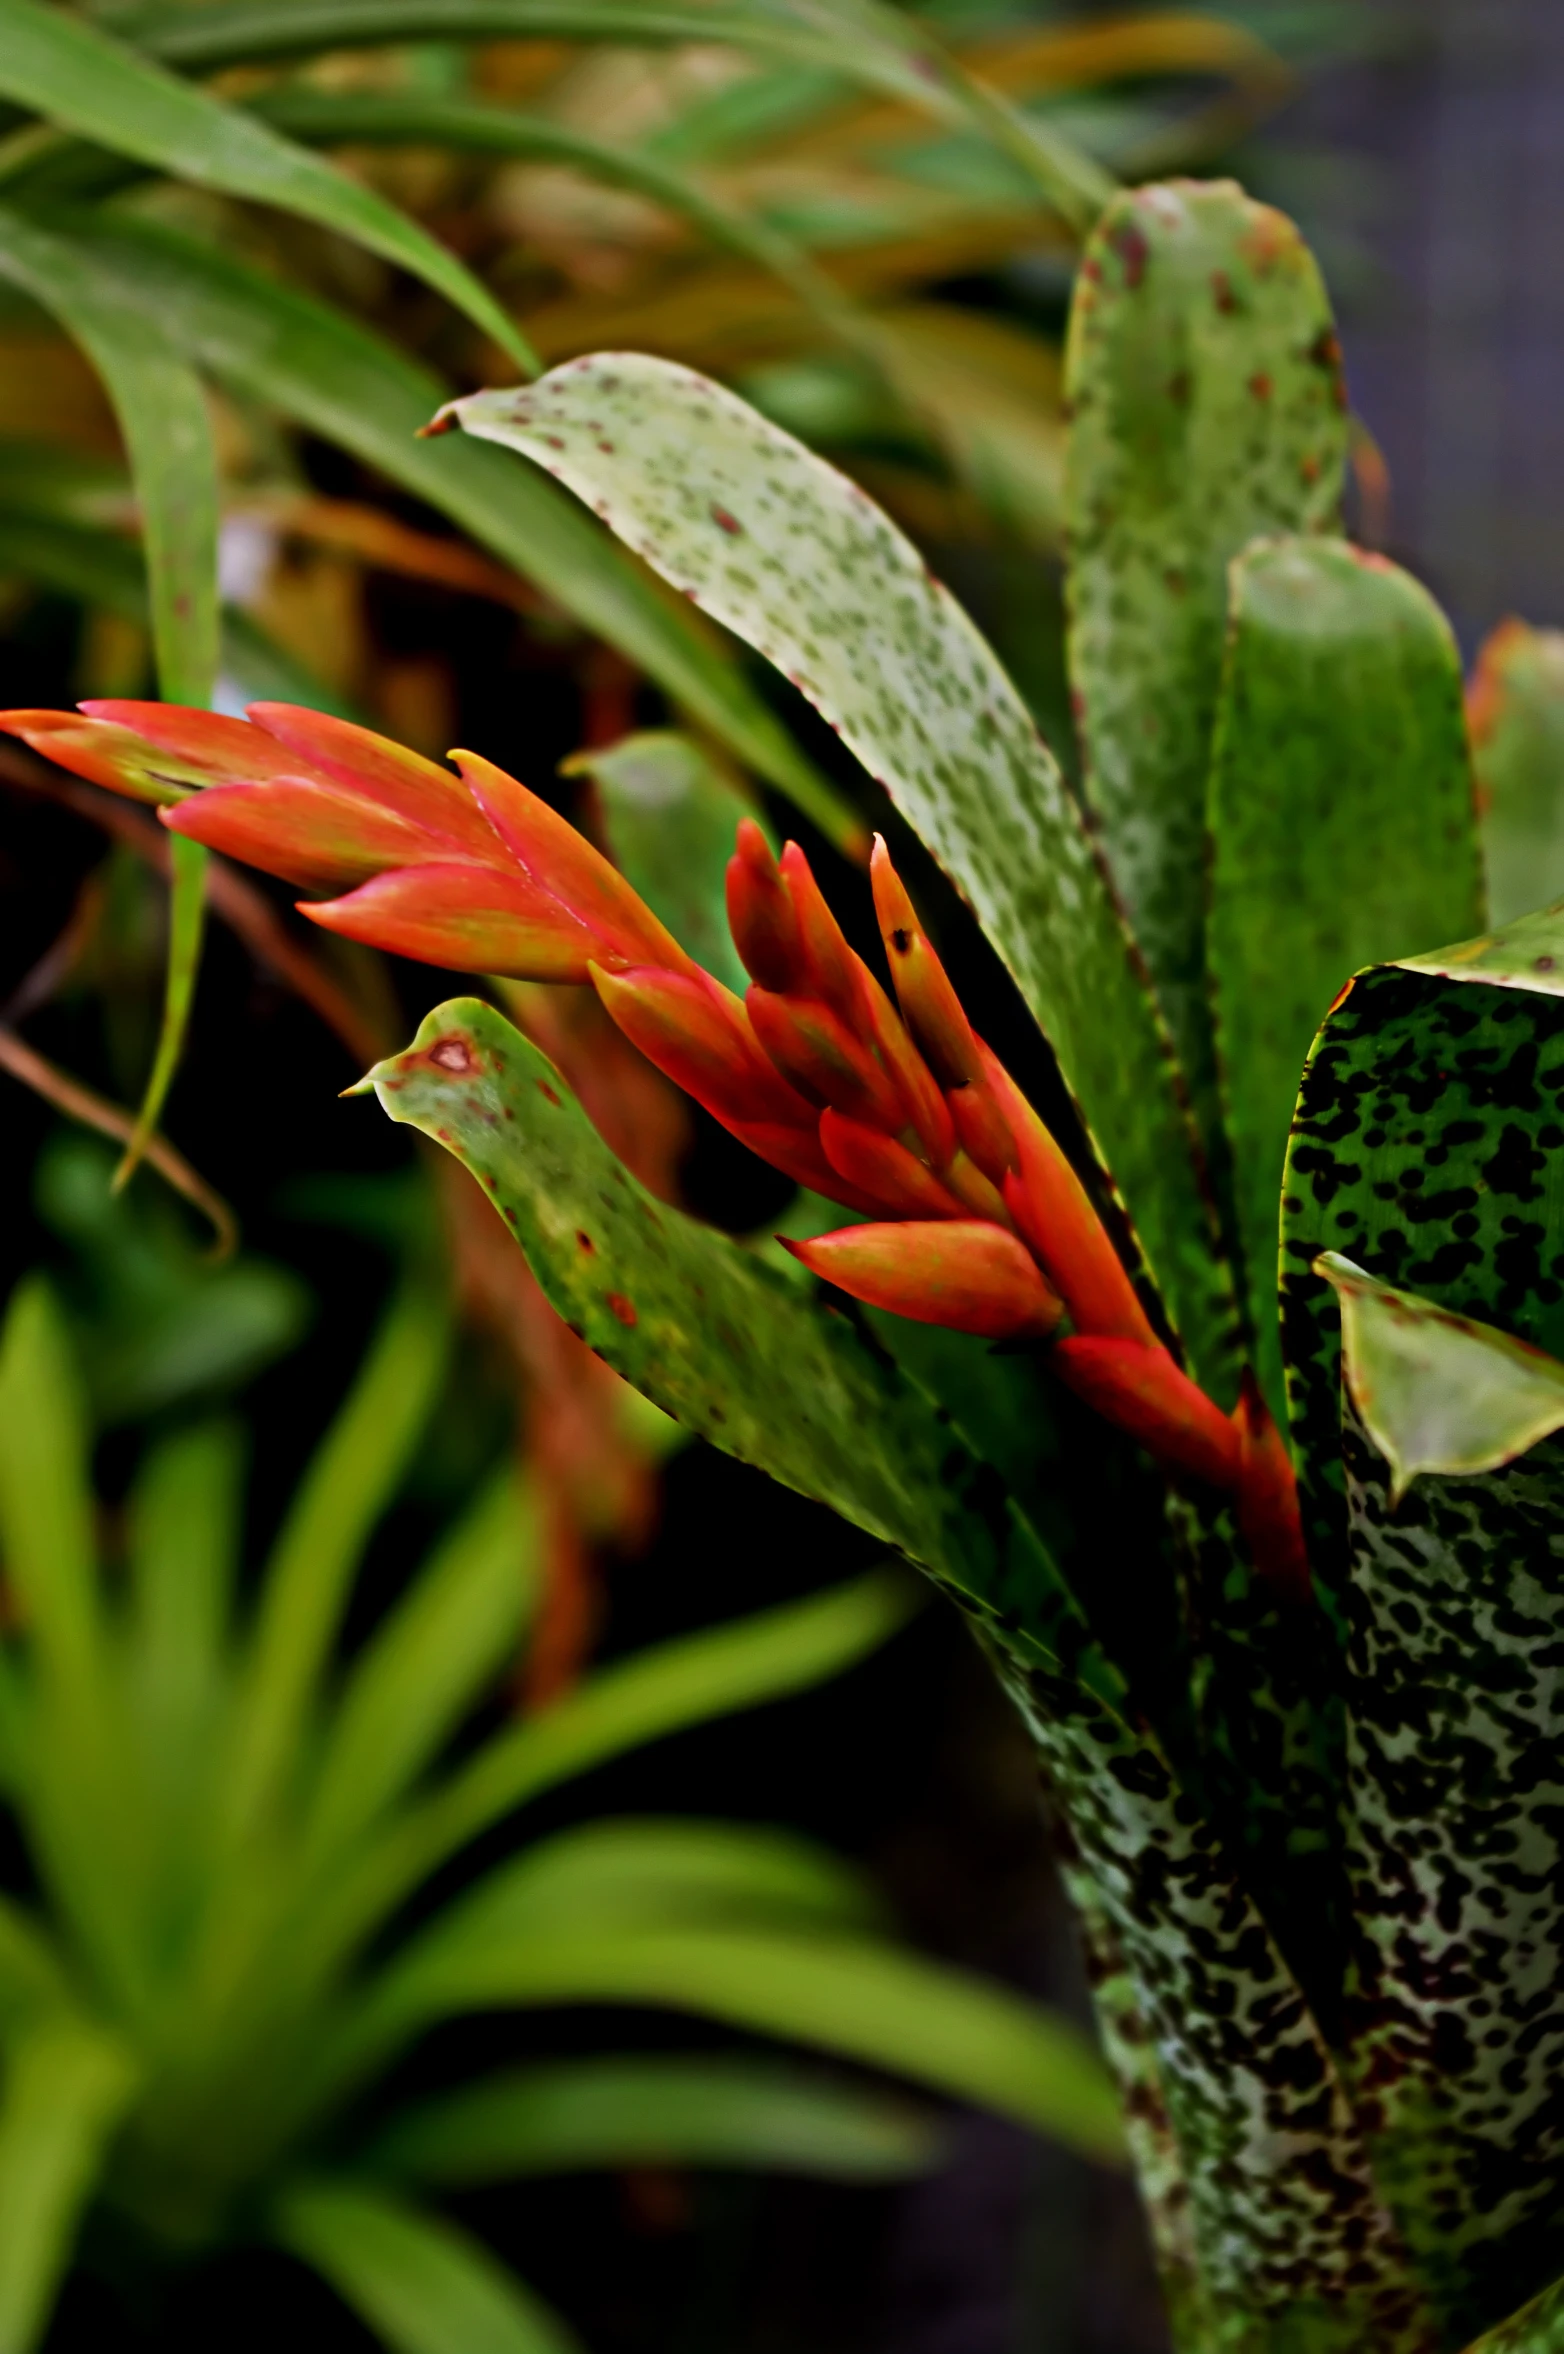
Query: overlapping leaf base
1273, 2235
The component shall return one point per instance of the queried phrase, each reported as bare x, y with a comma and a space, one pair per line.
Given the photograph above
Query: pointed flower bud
813, 1047
472, 918
924, 1107
829, 964
698, 1034
1053, 1210
964, 1275
884, 1171
1143, 1392
981, 1126
929, 1004
761, 914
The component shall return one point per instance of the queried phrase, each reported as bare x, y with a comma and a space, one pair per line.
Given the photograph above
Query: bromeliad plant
1305, 1746
233, 1836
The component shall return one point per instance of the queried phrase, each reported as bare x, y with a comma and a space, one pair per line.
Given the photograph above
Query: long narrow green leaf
105, 571
1537, 2329
350, 1480
46, 1504
1342, 834
277, 345
423, 2286
662, 2112
66, 2084
862, 1999
873, 46
795, 559
75, 74
680, 1684
162, 412
469, 126
184, 1528
427, 1664
653, 1868
1203, 383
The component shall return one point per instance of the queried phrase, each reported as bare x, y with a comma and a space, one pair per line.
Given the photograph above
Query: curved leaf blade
712, 1336
796, 560
344, 383
656, 2112
1341, 831
66, 2085
858, 1998
1203, 384
162, 413
74, 73
422, 2285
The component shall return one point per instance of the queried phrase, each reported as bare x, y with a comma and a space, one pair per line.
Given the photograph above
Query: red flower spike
378, 770
894, 1179
811, 1046
564, 862
761, 914
981, 1127
118, 757
312, 835
929, 1004
967, 1276
1268, 1514
1142, 1391
469, 917
1051, 1206
925, 1107
222, 751
832, 969
699, 1036
797, 1153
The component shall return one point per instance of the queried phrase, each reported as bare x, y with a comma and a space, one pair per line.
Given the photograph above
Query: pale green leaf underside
1525, 954
798, 561
1439, 1392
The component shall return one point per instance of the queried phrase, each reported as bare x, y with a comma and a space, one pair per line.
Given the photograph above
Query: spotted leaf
1284, 2221
1203, 383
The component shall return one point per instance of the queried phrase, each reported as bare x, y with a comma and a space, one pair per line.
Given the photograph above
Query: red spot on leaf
547, 1092
585, 1240
1222, 293
1260, 386
1129, 243
726, 522
624, 1309
453, 1054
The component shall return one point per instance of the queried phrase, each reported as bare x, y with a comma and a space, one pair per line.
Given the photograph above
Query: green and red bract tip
978, 1221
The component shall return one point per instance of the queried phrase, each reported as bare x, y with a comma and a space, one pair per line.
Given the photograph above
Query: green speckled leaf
1426, 1148
713, 1337
1203, 383
669, 818
1282, 2213
1516, 709
1342, 834
1437, 1392
799, 561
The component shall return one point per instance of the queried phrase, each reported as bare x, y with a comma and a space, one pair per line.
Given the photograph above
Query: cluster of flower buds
976, 1219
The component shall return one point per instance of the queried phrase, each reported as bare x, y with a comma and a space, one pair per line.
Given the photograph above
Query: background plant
1330, 2002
